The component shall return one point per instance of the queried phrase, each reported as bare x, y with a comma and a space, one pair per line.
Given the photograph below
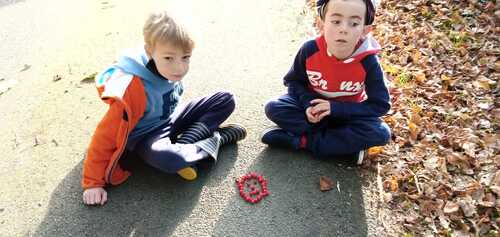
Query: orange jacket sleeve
102, 147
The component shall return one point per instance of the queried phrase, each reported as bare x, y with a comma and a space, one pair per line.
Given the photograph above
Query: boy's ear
148, 50
367, 29
319, 24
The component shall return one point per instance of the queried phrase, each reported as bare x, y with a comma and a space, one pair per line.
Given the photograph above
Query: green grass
403, 79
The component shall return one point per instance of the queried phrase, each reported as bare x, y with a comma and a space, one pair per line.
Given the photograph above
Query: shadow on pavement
149, 203
296, 206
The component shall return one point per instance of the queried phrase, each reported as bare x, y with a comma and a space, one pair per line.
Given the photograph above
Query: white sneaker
361, 156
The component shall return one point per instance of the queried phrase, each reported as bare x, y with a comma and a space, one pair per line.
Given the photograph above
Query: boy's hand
320, 108
95, 196
311, 116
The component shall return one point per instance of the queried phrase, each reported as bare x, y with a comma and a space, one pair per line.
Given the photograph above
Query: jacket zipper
121, 150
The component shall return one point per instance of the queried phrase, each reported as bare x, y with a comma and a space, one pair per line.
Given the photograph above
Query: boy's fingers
92, 199
322, 115
86, 198
317, 101
104, 198
97, 197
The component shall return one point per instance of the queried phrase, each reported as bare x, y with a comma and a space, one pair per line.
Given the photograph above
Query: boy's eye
355, 24
186, 58
168, 58
336, 22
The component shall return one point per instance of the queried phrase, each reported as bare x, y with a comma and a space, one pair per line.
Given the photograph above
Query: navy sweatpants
158, 148
329, 136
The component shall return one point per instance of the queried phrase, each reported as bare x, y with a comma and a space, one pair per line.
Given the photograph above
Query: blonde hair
161, 28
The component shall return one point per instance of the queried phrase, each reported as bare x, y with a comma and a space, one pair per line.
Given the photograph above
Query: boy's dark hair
370, 10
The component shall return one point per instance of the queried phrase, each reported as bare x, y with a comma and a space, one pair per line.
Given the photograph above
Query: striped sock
232, 133
196, 132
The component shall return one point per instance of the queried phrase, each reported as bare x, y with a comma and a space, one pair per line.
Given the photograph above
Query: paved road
242, 46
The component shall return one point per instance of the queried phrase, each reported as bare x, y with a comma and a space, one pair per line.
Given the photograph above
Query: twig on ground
379, 183
416, 182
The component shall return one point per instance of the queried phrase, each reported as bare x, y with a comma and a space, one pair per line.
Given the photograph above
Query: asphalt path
48, 115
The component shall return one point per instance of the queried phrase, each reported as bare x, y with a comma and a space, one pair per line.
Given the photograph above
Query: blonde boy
143, 90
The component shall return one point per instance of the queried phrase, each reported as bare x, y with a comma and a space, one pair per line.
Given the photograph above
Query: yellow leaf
417, 55
413, 130
416, 109
483, 82
415, 118
390, 120
373, 151
445, 78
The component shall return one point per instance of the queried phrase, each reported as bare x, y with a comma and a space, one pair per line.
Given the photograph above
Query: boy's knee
228, 99
225, 95
270, 108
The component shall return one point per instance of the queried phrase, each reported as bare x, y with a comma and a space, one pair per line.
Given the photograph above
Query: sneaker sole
268, 130
188, 173
361, 156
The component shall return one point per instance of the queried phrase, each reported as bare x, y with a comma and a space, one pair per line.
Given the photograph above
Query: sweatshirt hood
367, 46
135, 61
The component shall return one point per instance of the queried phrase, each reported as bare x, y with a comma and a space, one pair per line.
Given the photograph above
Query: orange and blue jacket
125, 88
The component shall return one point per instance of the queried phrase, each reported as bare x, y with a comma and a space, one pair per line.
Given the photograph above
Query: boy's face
343, 26
172, 62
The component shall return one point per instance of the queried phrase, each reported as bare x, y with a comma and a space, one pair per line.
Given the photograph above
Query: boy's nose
179, 67
343, 28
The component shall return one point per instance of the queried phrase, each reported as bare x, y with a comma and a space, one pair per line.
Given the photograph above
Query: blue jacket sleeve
296, 79
378, 102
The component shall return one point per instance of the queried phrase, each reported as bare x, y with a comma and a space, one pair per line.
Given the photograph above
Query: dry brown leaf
483, 82
450, 207
420, 77
467, 205
496, 190
391, 184
486, 204
56, 77
496, 180
492, 141
325, 183
469, 148
427, 207
412, 218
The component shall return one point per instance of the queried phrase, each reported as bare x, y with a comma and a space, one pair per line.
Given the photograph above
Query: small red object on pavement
252, 194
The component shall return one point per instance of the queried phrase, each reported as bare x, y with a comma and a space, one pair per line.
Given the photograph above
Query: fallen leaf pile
440, 175
442, 167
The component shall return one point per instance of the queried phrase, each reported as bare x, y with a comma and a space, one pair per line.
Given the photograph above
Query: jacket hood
367, 46
134, 61
114, 80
